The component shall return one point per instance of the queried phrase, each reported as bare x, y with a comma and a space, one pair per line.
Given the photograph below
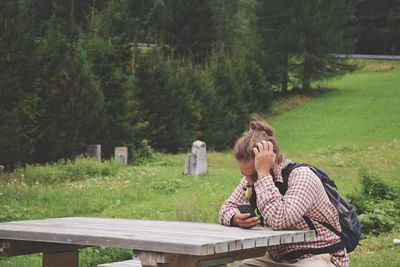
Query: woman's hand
264, 159
243, 220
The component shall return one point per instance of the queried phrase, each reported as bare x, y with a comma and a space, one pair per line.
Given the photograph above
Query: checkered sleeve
229, 208
284, 212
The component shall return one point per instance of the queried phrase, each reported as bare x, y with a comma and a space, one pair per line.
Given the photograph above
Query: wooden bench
128, 263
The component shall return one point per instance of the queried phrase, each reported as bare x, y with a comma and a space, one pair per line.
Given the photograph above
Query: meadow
350, 130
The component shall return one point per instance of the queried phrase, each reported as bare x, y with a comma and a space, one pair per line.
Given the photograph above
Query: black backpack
351, 226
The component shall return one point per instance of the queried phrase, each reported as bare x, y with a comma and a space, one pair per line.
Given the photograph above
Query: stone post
196, 160
121, 155
94, 151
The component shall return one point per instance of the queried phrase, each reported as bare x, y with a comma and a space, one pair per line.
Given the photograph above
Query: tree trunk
285, 72
306, 73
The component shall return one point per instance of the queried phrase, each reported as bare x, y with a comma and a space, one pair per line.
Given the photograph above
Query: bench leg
61, 259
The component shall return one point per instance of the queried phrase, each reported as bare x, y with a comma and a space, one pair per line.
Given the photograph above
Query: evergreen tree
43, 10
20, 108
70, 95
158, 17
191, 30
118, 123
198, 35
167, 102
326, 28
379, 23
138, 26
227, 110
278, 25
302, 36
229, 20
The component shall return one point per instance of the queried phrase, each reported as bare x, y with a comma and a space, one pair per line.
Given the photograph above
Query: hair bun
261, 126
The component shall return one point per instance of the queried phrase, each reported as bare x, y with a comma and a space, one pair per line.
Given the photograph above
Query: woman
260, 161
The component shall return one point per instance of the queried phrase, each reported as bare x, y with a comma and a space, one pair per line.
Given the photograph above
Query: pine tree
277, 22
70, 93
379, 23
20, 107
167, 101
301, 36
118, 123
325, 28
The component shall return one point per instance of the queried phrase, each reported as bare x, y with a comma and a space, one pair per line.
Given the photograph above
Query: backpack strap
310, 224
253, 204
295, 254
285, 175
330, 227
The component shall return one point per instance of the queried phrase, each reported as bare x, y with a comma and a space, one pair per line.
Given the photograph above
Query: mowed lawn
365, 110
352, 128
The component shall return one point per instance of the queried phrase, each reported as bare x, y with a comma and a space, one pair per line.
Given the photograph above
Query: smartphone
246, 208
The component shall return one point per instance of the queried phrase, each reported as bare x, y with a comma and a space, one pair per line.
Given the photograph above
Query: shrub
375, 188
378, 220
378, 205
141, 152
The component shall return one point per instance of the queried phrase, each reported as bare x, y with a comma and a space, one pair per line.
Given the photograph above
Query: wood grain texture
128, 263
161, 236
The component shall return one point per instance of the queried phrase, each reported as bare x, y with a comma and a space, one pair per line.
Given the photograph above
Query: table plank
178, 228
164, 236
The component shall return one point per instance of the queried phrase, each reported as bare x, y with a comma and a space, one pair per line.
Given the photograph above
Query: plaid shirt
305, 196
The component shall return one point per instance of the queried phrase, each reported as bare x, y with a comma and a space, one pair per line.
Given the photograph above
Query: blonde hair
258, 131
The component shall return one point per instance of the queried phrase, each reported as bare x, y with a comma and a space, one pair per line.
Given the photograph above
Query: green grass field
353, 127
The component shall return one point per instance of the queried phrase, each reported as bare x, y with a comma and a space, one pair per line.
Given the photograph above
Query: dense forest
159, 74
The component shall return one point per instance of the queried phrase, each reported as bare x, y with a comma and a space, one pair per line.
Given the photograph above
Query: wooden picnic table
155, 243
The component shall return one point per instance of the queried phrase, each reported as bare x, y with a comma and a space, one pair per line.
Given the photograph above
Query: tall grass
79, 169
